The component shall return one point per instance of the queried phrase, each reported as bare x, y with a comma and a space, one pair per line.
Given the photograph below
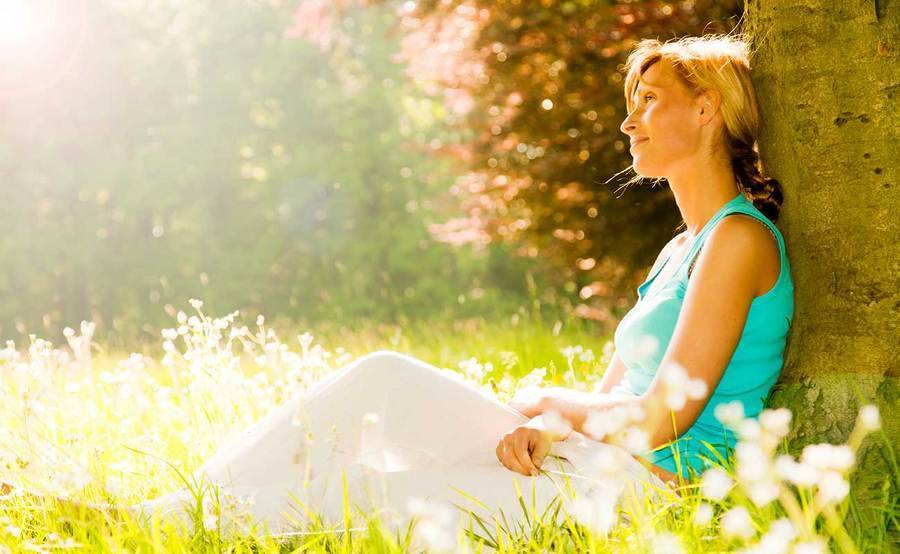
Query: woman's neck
700, 195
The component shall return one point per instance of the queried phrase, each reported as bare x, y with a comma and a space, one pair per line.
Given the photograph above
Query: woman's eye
647, 97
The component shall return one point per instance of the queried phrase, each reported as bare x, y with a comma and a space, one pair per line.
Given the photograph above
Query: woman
709, 327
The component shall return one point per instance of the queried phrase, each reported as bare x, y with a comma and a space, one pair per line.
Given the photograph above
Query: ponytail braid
765, 192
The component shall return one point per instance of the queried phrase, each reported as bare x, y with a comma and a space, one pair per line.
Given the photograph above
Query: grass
120, 429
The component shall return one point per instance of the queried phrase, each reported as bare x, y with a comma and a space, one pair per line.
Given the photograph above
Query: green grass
118, 429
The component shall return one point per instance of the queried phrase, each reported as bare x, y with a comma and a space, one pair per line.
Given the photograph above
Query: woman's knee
384, 364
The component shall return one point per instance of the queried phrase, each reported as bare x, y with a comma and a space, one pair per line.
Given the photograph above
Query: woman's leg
423, 418
416, 411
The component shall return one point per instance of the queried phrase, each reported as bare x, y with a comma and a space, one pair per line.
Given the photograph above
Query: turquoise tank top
753, 369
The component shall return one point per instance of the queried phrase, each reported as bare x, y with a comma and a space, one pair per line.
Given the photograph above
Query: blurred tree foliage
537, 92
152, 152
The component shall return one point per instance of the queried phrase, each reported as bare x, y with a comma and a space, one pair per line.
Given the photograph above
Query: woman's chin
643, 171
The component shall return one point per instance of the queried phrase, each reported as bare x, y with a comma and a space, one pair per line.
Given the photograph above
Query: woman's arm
710, 324
712, 318
613, 375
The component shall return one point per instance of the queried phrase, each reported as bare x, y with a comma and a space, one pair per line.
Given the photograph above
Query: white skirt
390, 428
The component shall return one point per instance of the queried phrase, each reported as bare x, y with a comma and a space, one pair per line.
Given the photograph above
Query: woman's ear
708, 105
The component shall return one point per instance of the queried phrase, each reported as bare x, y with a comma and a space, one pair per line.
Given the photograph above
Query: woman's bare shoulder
753, 238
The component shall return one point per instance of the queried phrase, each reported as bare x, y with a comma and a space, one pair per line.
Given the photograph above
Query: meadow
95, 426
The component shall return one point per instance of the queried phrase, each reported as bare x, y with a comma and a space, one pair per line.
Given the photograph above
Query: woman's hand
532, 401
523, 449
572, 406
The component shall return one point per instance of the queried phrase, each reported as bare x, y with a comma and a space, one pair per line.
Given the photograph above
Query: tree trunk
827, 80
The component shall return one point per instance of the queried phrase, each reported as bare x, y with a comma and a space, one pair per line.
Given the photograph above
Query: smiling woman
687, 347
388, 428
693, 121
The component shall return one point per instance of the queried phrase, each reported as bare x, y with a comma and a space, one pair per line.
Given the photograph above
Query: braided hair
765, 192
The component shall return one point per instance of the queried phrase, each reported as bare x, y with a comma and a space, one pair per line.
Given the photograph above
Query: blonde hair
720, 63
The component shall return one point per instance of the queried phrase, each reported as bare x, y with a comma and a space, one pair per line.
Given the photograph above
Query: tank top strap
741, 205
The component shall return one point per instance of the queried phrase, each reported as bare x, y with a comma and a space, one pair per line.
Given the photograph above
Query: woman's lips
638, 142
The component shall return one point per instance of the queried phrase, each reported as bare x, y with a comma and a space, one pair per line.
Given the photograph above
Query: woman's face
663, 126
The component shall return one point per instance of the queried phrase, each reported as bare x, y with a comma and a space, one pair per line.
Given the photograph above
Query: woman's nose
628, 125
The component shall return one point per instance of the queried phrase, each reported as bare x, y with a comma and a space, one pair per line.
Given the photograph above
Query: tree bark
827, 80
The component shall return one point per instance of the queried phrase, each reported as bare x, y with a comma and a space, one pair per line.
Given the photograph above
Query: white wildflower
597, 510
600, 423
435, 537
716, 484
666, 543
606, 463
817, 455
829, 456
776, 422
783, 529
435, 525
764, 492
210, 522
472, 369
306, 340
833, 488
647, 346
530, 394
730, 413
810, 547
571, 351
636, 440
534, 377
749, 430
697, 389
370, 418
772, 544
636, 412
703, 515
870, 417
556, 423
196, 304
752, 462
679, 386
802, 475
675, 399
736, 522
210, 519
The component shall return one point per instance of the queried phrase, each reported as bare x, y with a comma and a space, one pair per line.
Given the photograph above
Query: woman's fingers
522, 442
540, 450
523, 450
504, 456
507, 456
